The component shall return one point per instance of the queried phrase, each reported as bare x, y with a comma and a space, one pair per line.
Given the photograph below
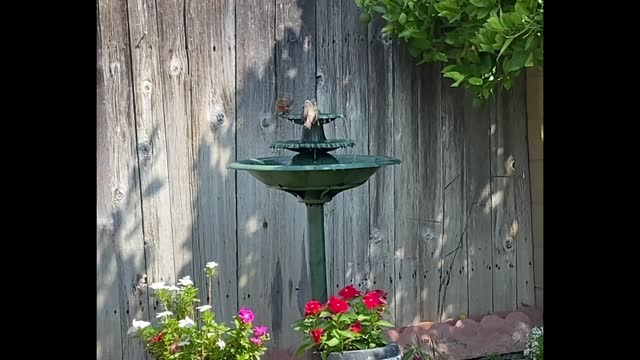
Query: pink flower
256, 340
259, 330
246, 315
349, 292
337, 305
356, 328
382, 296
312, 307
316, 334
371, 300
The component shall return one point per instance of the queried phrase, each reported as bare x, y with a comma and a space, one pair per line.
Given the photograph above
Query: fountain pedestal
317, 262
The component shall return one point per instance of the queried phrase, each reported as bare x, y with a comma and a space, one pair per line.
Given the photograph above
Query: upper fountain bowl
317, 180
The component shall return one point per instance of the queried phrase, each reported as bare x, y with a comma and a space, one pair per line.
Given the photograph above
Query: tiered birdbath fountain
314, 177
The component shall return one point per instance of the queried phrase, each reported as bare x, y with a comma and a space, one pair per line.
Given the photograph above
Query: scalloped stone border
502, 332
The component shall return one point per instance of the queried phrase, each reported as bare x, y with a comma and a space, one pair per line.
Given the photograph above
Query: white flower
212, 265
220, 343
172, 288
203, 308
137, 325
158, 285
163, 314
184, 342
186, 322
185, 281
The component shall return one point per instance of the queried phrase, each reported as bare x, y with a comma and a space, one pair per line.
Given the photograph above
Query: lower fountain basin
314, 183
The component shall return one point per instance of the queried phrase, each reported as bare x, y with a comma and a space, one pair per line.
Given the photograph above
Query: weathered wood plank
430, 189
295, 80
152, 150
343, 68
380, 264
453, 293
119, 242
504, 154
259, 267
407, 185
353, 205
211, 54
176, 90
523, 237
329, 92
504, 226
478, 207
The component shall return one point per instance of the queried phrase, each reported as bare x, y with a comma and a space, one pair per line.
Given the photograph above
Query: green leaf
379, 9
448, 68
384, 323
407, 33
495, 23
475, 81
520, 10
388, 28
517, 61
349, 317
414, 51
480, 3
365, 18
440, 56
347, 334
333, 342
505, 46
454, 75
485, 47
506, 83
482, 13
529, 42
529, 62
403, 18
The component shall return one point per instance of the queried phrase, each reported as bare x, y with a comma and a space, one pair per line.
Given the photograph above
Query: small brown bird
282, 105
310, 113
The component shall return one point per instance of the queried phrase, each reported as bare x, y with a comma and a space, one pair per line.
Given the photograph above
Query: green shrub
483, 43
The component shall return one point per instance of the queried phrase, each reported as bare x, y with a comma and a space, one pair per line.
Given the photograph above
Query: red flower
371, 300
316, 334
349, 292
312, 307
382, 296
337, 305
356, 328
157, 338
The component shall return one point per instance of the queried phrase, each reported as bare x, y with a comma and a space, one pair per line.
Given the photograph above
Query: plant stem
210, 298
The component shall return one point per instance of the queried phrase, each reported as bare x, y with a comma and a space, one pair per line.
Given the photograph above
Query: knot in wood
147, 86
144, 150
218, 120
118, 195
174, 67
508, 244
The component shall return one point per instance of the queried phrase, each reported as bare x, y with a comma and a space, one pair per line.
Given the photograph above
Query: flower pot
389, 352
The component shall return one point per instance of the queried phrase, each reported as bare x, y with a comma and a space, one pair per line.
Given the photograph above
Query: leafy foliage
535, 344
181, 333
483, 43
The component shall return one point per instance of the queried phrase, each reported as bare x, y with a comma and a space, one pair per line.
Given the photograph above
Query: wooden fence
184, 87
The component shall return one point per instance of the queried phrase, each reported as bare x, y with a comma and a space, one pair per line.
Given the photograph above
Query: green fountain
314, 177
